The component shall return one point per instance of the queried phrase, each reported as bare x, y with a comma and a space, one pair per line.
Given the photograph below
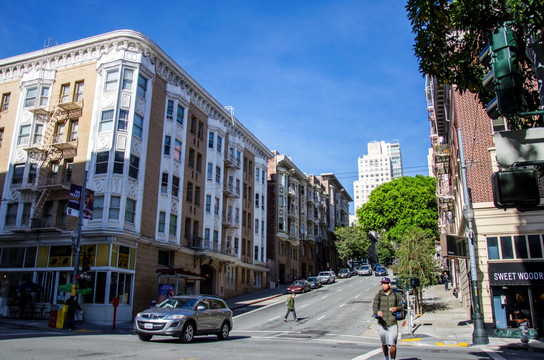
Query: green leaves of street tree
416, 255
450, 34
399, 205
351, 243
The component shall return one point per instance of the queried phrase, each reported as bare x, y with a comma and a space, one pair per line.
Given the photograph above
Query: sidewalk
446, 323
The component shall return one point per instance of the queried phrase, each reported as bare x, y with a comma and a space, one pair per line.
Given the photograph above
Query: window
167, 141
118, 162
219, 144
11, 214
506, 247
106, 122
127, 79
177, 150
111, 80
1, 136
209, 175
200, 130
24, 135
170, 110
207, 234
210, 139
173, 228
535, 247
138, 125
198, 161
142, 86
193, 125
189, 194
72, 135
134, 166
256, 226
520, 245
257, 200
30, 98
98, 207
208, 203
32, 173
122, 124
197, 195
64, 93
115, 208
162, 222
130, 211
216, 206
102, 159
164, 183
218, 174
175, 186
44, 97
179, 117
257, 172
191, 160
78, 94
18, 171
5, 101
38, 137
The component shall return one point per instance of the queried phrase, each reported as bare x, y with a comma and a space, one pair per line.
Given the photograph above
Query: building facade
382, 164
508, 244
179, 184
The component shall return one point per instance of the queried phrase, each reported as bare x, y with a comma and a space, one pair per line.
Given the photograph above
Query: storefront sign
516, 273
454, 246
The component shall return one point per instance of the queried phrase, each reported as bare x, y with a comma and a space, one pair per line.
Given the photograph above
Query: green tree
399, 205
450, 34
385, 251
416, 255
351, 243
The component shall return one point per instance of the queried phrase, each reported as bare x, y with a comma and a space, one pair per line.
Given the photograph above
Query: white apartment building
383, 163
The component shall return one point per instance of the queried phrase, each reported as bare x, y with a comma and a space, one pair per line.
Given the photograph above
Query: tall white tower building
382, 164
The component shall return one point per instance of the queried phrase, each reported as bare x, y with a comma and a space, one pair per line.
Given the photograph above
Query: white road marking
369, 354
342, 305
321, 317
323, 297
304, 305
274, 318
357, 296
492, 353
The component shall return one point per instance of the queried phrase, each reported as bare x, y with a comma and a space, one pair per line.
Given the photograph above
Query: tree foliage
385, 251
450, 34
351, 243
416, 256
399, 205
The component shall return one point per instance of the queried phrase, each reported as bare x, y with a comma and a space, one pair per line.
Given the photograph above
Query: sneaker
297, 320
285, 320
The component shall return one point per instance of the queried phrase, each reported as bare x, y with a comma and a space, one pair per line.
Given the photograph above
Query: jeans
294, 313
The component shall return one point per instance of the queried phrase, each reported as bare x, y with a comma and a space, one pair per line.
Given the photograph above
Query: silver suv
184, 317
326, 277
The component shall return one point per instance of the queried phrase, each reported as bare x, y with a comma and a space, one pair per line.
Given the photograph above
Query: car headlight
138, 314
174, 317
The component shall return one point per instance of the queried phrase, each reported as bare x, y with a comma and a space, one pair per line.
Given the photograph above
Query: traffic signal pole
479, 334
78, 241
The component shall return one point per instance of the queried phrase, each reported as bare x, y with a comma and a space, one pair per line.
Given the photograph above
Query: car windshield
298, 282
323, 274
312, 279
365, 267
178, 303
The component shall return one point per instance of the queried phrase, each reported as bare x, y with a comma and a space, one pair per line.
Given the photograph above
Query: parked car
376, 265
298, 287
344, 273
353, 271
315, 283
364, 270
327, 277
185, 317
380, 271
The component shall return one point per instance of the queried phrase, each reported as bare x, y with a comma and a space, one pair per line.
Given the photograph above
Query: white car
327, 277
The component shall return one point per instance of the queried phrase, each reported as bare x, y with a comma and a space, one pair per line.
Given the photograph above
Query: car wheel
224, 333
188, 333
144, 337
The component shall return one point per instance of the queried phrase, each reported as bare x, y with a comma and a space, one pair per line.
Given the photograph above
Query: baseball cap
385, 280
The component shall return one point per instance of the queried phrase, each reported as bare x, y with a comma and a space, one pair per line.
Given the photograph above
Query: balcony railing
198, 243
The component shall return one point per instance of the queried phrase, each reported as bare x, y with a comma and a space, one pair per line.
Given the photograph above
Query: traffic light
86, 265
515, 189
504, 78
82, 282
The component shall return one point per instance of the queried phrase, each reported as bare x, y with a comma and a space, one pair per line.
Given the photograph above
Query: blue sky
314, 79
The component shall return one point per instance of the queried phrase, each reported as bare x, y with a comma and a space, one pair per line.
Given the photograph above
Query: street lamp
479, 335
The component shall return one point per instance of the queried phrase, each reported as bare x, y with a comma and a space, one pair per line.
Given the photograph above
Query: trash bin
61, 316
53, 318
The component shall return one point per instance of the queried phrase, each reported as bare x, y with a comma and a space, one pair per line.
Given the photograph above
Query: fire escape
47, 152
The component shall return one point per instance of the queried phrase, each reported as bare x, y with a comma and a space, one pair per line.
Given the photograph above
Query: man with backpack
385, 307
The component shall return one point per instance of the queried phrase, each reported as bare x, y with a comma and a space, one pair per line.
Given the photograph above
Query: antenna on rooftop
230, 109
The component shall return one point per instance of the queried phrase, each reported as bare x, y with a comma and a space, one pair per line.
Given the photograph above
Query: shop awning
179, 272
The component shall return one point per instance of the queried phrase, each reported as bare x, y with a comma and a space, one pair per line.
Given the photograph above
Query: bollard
524, 332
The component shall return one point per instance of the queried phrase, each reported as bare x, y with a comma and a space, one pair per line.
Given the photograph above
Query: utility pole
479, 334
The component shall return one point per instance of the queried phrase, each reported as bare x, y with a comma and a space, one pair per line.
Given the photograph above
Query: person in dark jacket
386, 304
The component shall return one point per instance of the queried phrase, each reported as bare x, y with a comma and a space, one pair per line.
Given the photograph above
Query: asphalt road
333, 320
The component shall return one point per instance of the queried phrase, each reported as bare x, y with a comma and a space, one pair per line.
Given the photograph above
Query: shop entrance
206, 286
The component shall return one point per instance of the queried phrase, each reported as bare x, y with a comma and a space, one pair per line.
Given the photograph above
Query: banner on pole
74, 202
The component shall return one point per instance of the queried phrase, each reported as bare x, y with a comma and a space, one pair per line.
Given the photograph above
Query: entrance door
282, 273
206, 285
500, 313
